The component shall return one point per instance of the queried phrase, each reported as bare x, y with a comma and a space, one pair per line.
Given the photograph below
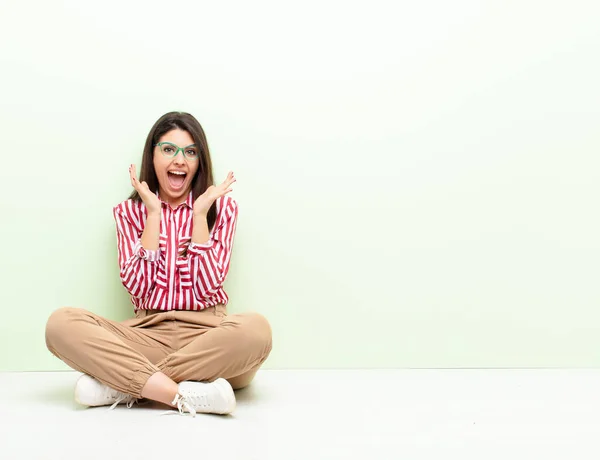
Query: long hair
204, 175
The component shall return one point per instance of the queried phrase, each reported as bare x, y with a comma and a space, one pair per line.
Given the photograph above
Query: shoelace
183, 403
188, 402
122, 398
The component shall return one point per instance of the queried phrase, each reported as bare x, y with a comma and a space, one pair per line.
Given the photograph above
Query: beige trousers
184, 345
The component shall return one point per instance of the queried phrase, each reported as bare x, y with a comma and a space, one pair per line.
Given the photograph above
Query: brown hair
204, 176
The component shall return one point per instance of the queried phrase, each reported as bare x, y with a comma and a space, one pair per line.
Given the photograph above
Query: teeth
180, 173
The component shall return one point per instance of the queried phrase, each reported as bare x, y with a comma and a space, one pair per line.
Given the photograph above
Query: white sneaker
210, 398
91, 392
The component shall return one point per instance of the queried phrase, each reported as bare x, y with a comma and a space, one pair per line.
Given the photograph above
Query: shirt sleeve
208, 263
138, 266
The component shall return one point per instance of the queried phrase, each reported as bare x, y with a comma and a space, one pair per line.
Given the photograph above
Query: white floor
387, 414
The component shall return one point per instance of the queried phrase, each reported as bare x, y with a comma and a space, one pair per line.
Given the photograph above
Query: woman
175, 235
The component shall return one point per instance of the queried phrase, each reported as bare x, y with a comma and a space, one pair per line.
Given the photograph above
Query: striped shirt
179, 275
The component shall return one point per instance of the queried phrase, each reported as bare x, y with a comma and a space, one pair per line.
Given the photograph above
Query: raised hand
206, 200
151, 201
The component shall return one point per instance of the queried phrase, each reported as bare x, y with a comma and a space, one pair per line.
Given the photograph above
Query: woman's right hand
150, 199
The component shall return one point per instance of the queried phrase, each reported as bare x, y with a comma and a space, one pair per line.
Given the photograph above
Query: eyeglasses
171, 150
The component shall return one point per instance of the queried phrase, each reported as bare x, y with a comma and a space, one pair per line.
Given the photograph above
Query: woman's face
175, 173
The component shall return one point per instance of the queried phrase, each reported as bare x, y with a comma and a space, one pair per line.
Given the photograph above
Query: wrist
200, 215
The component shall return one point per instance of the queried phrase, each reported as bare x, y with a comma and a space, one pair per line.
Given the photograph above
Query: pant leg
120, 355
242, 381
217, 345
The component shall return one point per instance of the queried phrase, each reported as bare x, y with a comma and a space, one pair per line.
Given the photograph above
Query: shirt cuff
197, 249
146, 254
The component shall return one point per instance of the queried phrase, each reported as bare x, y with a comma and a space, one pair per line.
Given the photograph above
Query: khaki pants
184, 345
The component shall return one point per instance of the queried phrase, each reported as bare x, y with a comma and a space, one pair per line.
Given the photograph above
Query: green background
417, 183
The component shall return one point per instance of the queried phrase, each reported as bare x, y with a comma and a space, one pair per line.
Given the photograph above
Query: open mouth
176, 178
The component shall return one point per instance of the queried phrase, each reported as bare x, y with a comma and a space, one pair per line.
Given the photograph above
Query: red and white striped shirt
164, 279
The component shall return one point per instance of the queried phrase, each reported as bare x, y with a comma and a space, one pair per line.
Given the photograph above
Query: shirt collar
190, 200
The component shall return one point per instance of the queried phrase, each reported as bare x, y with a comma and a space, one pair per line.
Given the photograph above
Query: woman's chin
170, 194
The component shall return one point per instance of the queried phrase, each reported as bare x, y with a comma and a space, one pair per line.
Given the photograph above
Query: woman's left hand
206, 200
